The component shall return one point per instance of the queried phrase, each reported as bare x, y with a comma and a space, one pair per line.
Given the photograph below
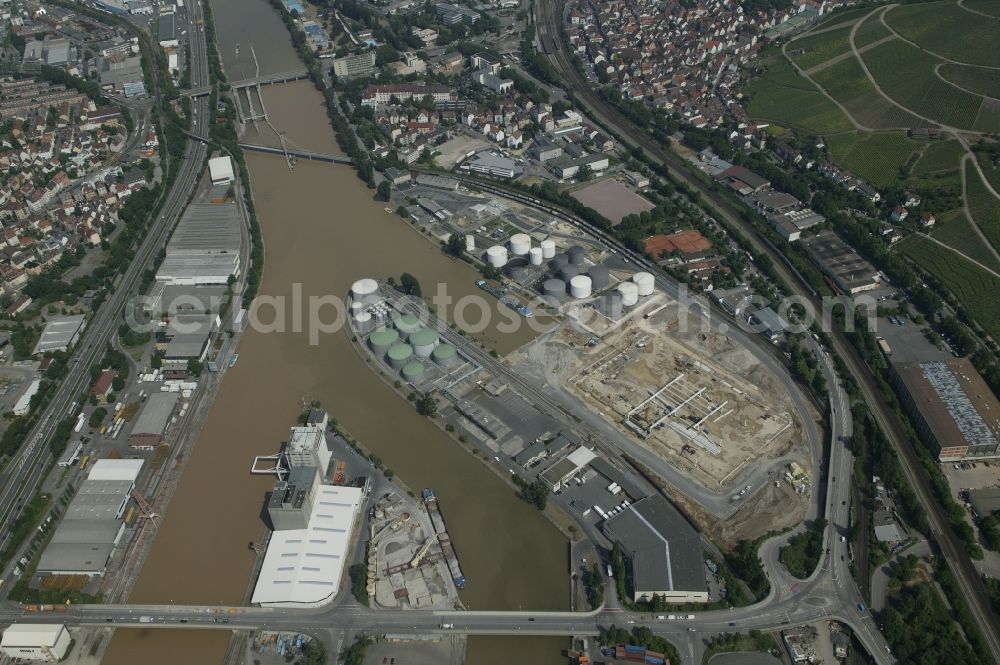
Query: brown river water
322, 231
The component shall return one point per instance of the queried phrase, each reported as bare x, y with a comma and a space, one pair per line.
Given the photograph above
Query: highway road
25, 472
548, 21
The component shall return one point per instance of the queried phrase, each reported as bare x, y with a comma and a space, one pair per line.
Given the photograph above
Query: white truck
447, 625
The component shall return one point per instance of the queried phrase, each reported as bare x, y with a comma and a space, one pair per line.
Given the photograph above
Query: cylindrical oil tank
520, 244
575, 255
579, 286
365, 290
382, 340
554, 287
548, 248
517, 268
599, 277
497, 256
610, 304
558, 261
470, 243
569, 271
630, 293
536, 255
400, 354
424, 341
445, 355
413, 371
364, 322
406, 324
645, 282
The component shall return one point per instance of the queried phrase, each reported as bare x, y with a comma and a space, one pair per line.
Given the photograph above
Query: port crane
421, 553
145, 510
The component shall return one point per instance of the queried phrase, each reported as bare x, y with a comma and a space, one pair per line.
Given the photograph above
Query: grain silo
548, 248
424, 341
599, 277
630, 293
400, 354
413, 371
382, 340
497, 256
520, 244
580, 286
445, 355
645, 281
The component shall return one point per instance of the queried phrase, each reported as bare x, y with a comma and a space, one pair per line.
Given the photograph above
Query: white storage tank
520, 244
645, 282
364, 322
406, 325
579, 286
470, 243
496, 256
365, 290
445, 355
424, 341
400, 354
536, 255
356, 308
630, 293
548, 248
382, 340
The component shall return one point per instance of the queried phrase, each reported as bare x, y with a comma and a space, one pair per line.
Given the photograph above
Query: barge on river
430, 502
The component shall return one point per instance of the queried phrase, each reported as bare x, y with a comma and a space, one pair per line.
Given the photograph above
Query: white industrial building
221, 170
23, 404
304, 567
562, 470
92, 526
36, 641
60, 333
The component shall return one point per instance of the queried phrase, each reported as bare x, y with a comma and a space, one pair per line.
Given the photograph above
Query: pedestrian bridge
301, 154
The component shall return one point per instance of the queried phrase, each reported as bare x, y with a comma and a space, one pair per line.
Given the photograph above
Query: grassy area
811, 50
991, 172
784, 97
738, 643
871, 31
948, 30
940, 156
978, 80
985, 207
906, 74
985, 6
955, 230
975, 288
878, 158
846, 82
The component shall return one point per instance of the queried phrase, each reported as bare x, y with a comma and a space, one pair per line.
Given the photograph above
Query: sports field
878, 158
975, 288
612, 199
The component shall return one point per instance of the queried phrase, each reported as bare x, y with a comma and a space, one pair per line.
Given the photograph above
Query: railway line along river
322, 231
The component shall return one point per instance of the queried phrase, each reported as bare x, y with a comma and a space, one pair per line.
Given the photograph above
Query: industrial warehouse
205, 246
60, 333
151, 425
36, 641
313, 524
92, 526
954, 410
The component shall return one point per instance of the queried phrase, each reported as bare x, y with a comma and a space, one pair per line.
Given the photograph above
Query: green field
877, 157
975, 288
846, 82
992, 172
871, 31
948, 30
978, 80
985, 207
955, 230
784, 97
991, 7
844, 16
940, 156
811, 50
906, 74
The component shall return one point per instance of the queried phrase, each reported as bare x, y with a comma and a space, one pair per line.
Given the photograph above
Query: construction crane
387, 527
421, 553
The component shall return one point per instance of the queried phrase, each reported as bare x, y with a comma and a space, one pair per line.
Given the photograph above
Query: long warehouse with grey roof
205, 246
663, 549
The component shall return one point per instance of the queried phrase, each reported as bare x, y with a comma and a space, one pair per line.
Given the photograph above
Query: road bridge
266, 79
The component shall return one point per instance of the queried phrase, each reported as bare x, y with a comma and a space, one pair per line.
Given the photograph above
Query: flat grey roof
98, 500
631, 485
207, 228
155, 413
59, 332
171, 299
185, 346
202, 267
167, 27
664, 548
985, 501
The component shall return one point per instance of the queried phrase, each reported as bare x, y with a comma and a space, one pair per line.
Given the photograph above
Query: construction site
686, 393
409, 562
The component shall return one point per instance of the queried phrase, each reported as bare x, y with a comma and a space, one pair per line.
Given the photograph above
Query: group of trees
536, 493
642, 637
920, 629
802, 553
